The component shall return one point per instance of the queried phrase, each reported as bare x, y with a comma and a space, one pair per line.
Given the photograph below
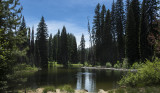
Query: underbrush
136, 90
49, 88
67, 88
108, 65
148, 74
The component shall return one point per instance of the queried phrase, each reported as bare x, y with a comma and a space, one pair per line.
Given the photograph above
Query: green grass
54, 64
77, 65
49, 88
67, 88
120, 90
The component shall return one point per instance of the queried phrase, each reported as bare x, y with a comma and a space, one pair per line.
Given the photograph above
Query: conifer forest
123, 38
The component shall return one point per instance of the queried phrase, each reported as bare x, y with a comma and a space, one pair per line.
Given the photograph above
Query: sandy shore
117, 69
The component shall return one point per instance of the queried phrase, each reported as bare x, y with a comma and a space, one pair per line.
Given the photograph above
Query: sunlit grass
67, 88
49, 88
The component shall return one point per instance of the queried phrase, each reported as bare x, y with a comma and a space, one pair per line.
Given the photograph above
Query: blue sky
57, 13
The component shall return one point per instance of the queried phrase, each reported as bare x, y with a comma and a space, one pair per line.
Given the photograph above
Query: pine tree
107, 40
23, 44
50, 53
29, 46
120, 29
72, 48
42, 43
148, 13
131, 37
136, 13
37, 57
9, 21
113, 31
32, 47
59, 47
82, 47
97, 28
74, 53
64, 47
55, 47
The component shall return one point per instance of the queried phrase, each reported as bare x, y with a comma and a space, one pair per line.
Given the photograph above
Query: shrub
120, 90
117, 65
85, 63
49, 88
125, 63
67, 88
148, 74
108, 65
136, 65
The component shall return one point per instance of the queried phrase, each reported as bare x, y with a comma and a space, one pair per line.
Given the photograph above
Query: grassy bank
55, 64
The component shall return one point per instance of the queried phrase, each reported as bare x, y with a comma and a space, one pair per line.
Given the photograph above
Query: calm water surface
89, 79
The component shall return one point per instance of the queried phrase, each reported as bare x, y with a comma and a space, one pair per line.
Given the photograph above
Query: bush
108, 65
67, 88
22, 67
136, 65
85, 63
117, 65
148, 74
125, 63
49, 88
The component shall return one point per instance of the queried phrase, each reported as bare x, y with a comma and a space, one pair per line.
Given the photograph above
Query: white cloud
53, 27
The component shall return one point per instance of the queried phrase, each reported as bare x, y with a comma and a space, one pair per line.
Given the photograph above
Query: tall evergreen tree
97, 28
148, 13
64, 47
9, 21
120, 29
23, 45
131, 37
32, 47
50, 53
42, 43
113, 31
74, 51
107, 40
37, 57
29, 46
82, 46
136, 13
59, 46
72, 48
55, 47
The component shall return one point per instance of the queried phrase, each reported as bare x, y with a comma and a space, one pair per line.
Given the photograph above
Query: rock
101, 91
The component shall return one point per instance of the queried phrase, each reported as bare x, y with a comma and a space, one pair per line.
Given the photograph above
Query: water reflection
86, 80
89, 79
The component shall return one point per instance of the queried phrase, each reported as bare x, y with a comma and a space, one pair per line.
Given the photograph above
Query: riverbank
117, 69
118, 90
41, 90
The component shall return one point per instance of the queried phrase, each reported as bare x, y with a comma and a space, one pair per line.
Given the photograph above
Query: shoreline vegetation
105, 68
138, 82
49, 89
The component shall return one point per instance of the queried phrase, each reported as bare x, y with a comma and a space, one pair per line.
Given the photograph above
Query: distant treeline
129, 30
